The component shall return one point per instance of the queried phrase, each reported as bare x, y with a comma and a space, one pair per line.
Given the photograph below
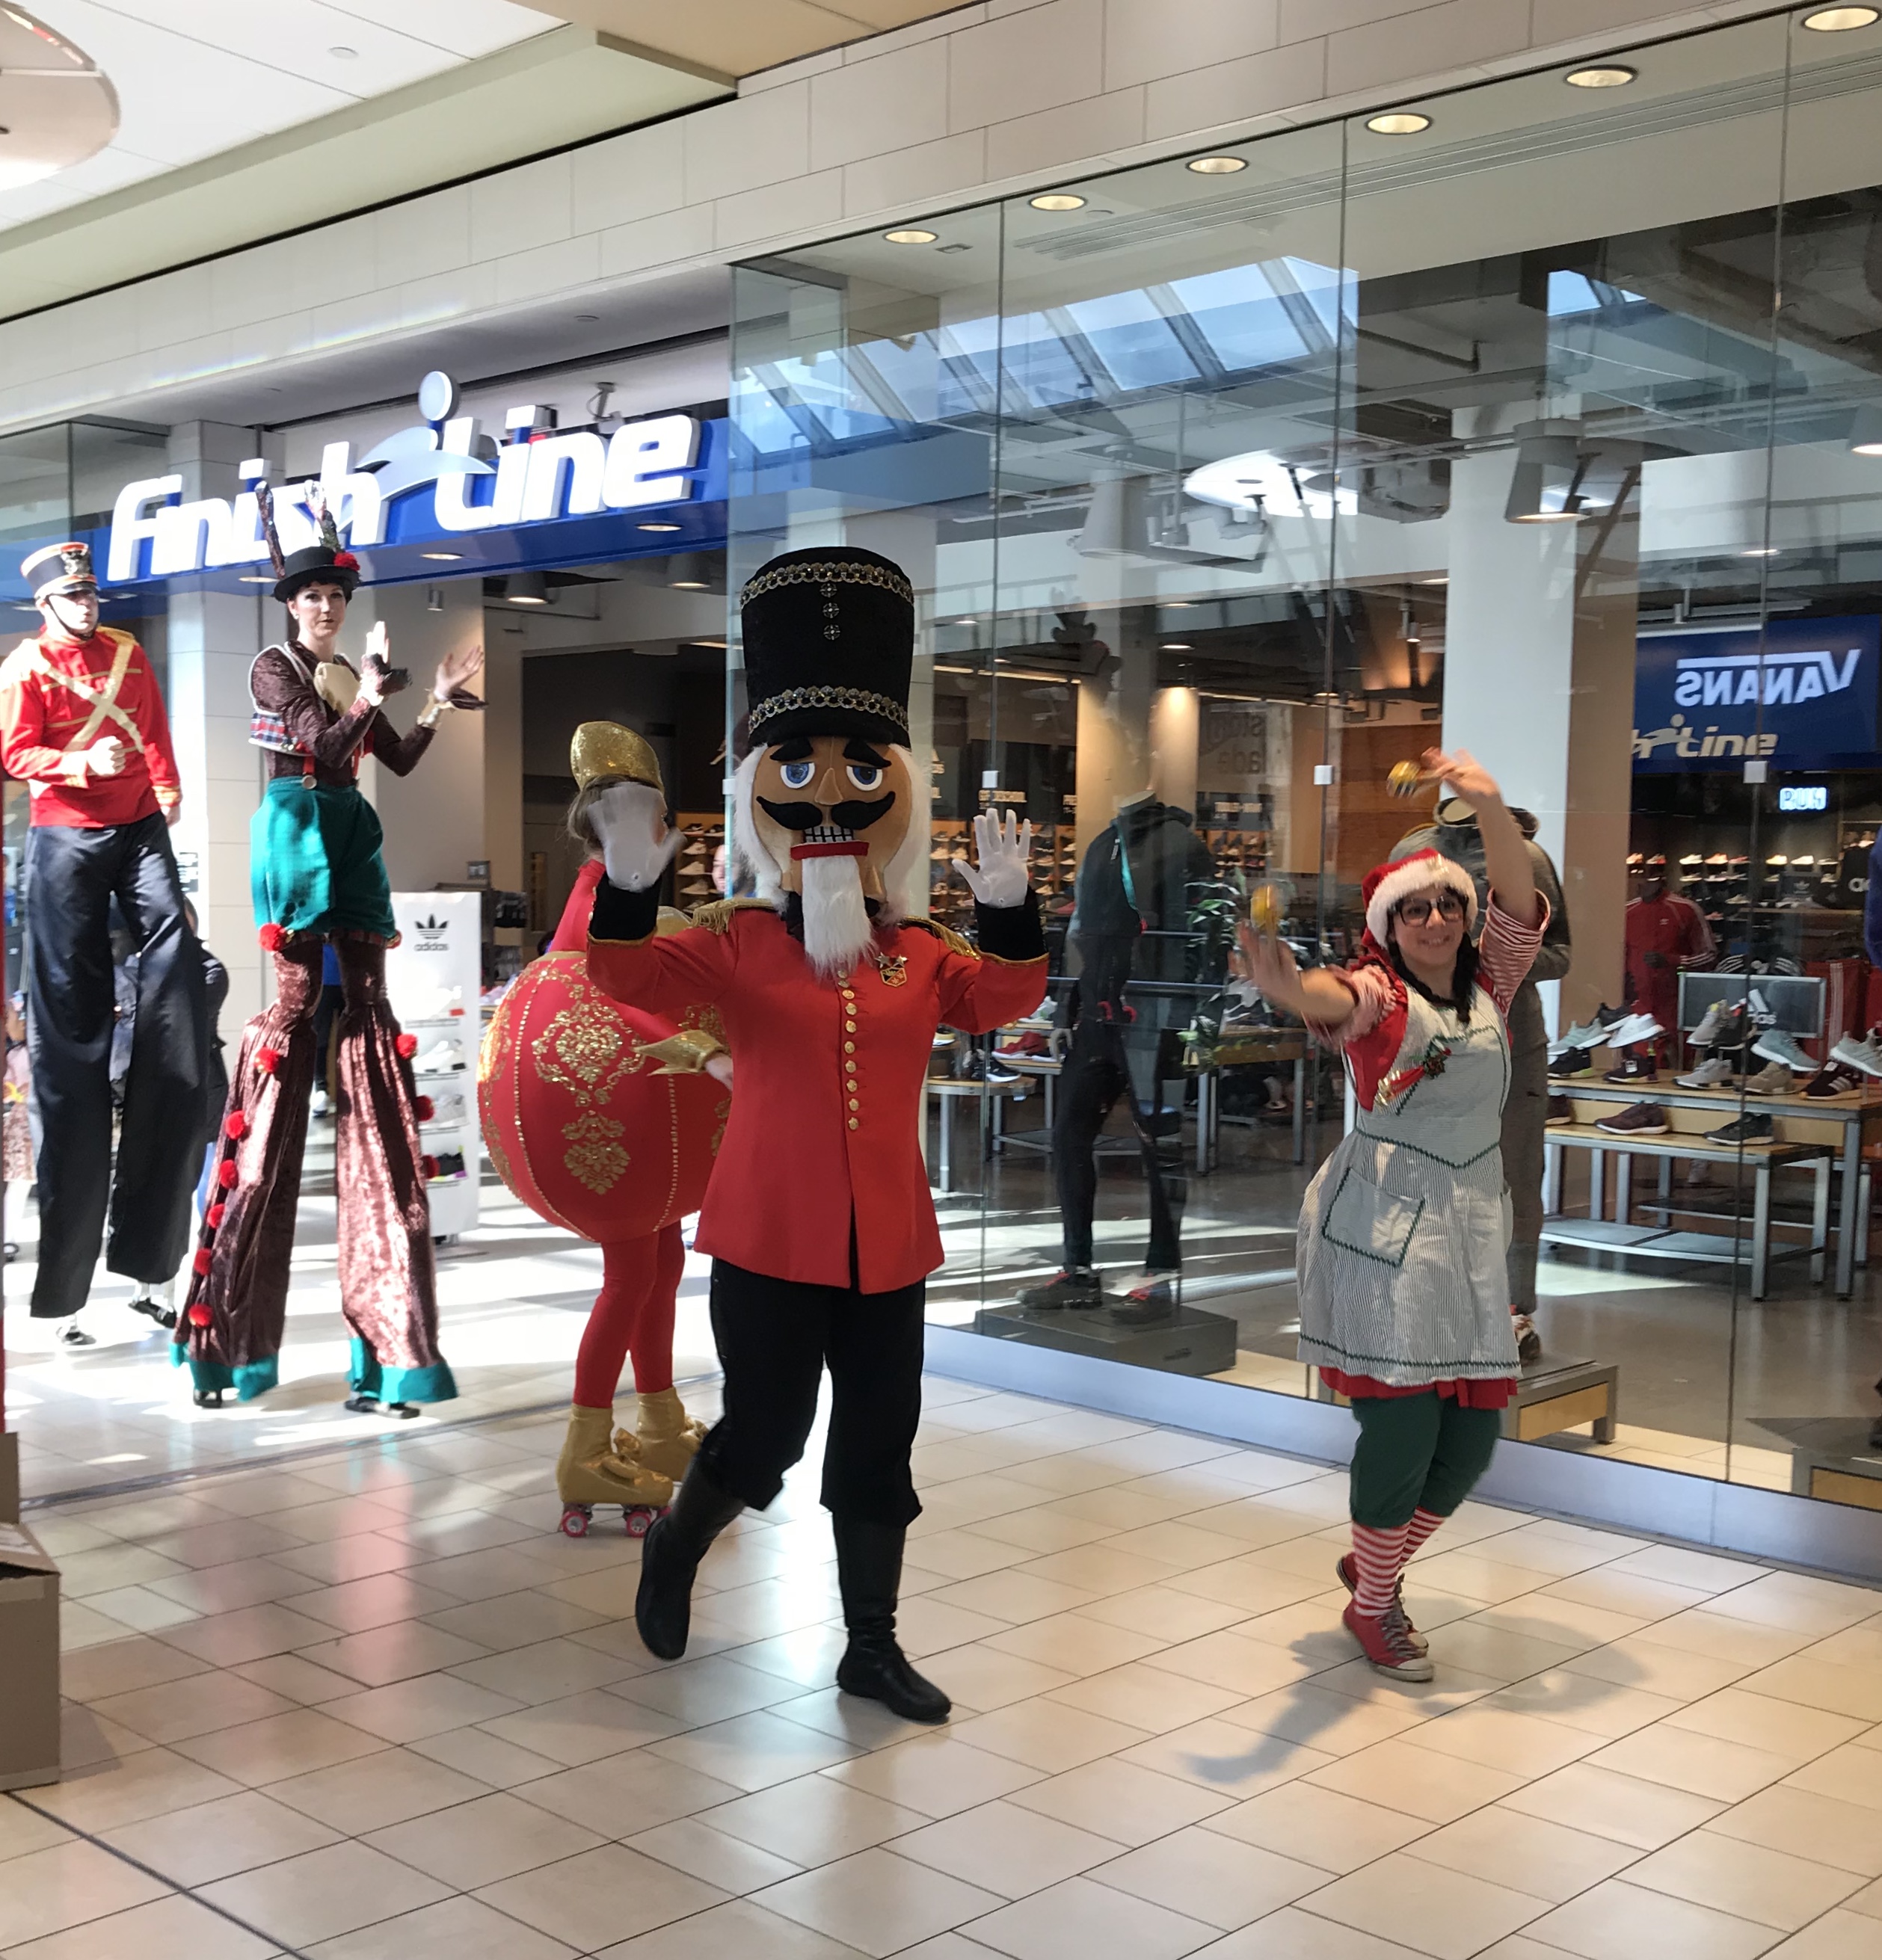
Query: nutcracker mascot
318, 879
82, 723
603, 1118
818, 1216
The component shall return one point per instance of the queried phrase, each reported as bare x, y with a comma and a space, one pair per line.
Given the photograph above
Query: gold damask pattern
595, 1157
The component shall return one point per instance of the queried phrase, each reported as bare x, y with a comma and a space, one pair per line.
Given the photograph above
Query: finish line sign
1801, 693
439, 478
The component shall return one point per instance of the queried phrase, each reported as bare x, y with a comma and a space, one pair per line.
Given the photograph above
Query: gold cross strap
104, 699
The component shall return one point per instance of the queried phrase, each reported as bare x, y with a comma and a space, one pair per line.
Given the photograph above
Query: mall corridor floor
368, 1704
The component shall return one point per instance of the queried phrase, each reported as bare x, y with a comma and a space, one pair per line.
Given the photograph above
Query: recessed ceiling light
526, 588
344, 54
1840, 20
255, 578
1057, 200
1174, 647
1216, 166
689, 585
442, 557
911, 234
1398, 123
1606, 74
657, 527
1760, 551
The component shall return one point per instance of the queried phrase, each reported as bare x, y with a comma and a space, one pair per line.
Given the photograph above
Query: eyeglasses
1415, 911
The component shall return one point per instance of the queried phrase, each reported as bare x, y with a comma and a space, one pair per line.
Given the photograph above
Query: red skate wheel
639, 1521
574, 1520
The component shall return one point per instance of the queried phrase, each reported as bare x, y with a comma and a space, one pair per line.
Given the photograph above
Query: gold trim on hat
601, 749
829, 571
859, 700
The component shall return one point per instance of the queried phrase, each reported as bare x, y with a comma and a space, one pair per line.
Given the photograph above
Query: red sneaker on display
1385, 1642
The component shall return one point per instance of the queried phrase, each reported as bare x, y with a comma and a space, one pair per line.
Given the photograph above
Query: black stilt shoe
869, 1567
670, 1557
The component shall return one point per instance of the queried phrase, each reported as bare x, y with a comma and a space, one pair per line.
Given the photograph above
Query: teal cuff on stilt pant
251, 1379
400, 1385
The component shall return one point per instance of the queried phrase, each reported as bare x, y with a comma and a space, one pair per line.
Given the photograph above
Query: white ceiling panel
465, 27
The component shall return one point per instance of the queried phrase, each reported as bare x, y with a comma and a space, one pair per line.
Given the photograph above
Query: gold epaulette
955, 942
717, 914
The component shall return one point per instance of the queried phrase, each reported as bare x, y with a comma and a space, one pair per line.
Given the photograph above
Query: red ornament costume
601, 1118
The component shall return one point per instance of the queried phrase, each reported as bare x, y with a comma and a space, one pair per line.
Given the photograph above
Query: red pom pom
235, 1123
426, 1108
268, 1059
407, 1046
430, 1164
227, 1175
202, 1262
272, 938
214, 1216
344, 561
199, 1316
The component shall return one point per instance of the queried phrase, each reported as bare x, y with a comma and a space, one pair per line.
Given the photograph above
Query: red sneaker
1349, 1578
1382, 1641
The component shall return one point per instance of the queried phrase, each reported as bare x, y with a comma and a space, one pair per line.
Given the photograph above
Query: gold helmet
605, 750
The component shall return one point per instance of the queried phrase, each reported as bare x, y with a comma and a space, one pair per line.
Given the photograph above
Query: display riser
1190, 1342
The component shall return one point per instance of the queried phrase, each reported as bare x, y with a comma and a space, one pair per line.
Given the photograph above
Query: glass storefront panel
1229, 482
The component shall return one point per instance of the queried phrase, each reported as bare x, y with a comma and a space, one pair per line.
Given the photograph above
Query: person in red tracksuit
818, 1216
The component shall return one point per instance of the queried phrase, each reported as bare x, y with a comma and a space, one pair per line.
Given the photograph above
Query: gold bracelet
432, 709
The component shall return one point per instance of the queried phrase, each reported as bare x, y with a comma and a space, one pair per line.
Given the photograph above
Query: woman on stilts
318, 878
1404, 1298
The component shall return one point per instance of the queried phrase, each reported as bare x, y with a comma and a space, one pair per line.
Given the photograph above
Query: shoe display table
1835, 1459
1185, 1341
1551, 1396
1828, 1133
1236, 1049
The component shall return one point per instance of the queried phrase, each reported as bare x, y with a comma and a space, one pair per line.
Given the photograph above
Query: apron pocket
1375, 1224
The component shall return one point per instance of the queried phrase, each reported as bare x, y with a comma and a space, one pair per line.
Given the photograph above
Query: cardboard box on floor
29, 1643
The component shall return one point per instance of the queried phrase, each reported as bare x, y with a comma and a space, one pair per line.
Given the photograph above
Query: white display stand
434, 977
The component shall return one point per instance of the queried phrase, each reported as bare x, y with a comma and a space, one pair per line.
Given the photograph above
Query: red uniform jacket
828, 1104
53, 690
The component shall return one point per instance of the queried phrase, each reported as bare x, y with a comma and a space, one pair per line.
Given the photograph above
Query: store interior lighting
1398, 123
526, 588
1546, 486
1841, 20
911, 234
1216, 166
1602, 75
1057, 200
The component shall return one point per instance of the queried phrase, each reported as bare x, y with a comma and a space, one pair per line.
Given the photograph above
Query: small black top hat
830, 642
317, 565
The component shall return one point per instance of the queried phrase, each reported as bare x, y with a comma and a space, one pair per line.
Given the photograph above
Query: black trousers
71, 877
775, 1337
1109, 1059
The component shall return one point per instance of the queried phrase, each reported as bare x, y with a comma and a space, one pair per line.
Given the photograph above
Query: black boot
670, 1556
869, 1566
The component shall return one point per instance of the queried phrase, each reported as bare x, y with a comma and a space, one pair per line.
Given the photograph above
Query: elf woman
1404, 1298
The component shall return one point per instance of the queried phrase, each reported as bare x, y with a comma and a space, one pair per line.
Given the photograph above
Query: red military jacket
828, 1095
57, 694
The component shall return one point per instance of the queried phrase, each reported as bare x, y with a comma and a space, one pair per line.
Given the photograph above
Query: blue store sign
1800, 693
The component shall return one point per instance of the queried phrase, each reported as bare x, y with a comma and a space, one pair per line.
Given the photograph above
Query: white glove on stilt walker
630, 821
1003, 846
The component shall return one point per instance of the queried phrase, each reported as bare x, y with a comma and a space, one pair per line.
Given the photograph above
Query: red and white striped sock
1377, 1557
1423, 1524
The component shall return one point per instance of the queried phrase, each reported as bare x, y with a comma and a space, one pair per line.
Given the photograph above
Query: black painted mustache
809, 815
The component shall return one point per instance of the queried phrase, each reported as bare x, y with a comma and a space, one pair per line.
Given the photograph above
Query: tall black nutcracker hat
830, 642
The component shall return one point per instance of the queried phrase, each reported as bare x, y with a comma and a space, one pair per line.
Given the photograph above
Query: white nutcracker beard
837, 928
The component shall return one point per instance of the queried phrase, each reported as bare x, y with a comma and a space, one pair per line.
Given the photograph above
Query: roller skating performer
82, 723
1404, 1231
603, 1118
318, 877
818, 1216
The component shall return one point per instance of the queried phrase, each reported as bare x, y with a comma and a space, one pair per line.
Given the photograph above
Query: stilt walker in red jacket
818, 1216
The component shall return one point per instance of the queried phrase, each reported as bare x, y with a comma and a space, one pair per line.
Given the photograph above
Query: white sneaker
1775, 1045
439, 1059
1866, 1055
447, 1108
1635, 1028
432, 1004
1712, 1026
1711, 1073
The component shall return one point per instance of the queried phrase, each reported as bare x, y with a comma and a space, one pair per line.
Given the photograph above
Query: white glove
1003, 846
104, 757
630, 820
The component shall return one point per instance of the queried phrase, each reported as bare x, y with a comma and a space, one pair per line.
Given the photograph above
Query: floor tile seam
274, 1945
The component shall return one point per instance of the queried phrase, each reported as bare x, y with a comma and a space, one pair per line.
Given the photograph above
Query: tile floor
368, 1705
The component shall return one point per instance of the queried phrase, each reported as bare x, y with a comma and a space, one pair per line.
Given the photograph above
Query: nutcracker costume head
824, 808
65, 587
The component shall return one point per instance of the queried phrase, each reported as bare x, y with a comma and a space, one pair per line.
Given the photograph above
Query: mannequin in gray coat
1453, 835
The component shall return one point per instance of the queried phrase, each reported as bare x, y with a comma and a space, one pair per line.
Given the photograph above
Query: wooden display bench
1834, 1458
1551, 1396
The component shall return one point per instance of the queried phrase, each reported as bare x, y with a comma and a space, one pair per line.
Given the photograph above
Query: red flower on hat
199, 1316
273, 937
344, 561
235, 1123
407, 1046
268, 1059
227, 1176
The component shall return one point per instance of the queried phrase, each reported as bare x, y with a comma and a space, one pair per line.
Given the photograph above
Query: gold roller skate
595, 1469
664, 1437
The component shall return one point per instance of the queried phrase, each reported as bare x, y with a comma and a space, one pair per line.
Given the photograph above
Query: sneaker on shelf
1864, 1053
1573, 1062
1561, 1110
1385, 1642
1633, 1068
1638, 1119
1713, 1073
1072, 1290
1635, 1029
998, 1073
447, 1108
450, 1167
1152, 1299
1528, 1341
1754, 1127
1836, 1078
1773, 1079
1711, 1025
1592, 1033
439, 1059
1774, 1045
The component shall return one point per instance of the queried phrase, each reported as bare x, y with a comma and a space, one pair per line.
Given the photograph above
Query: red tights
634, 1310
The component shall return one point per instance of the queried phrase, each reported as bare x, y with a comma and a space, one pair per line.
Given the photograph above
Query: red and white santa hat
1385, 885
